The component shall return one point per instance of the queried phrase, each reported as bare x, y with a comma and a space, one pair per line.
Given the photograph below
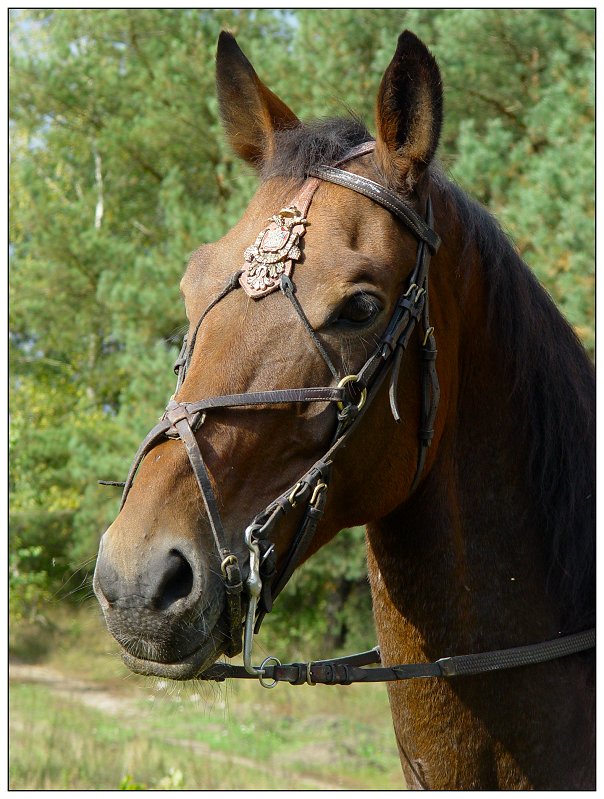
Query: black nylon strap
462, 665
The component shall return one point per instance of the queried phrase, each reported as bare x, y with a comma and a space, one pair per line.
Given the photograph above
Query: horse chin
186, 663
187, 668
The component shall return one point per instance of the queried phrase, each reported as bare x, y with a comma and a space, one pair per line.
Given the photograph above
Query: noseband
268, 267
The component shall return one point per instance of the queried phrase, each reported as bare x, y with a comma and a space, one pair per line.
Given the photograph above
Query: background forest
119, 170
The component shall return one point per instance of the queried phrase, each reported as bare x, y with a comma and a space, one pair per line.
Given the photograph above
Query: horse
310, 363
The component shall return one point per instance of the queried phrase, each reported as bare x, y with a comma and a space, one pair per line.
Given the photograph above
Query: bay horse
311, 364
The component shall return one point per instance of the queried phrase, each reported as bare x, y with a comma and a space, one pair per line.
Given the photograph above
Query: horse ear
250, 112
408, 113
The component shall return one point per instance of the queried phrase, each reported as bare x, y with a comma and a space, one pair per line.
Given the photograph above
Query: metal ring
249, 534
344, 382
276, 662
309, 679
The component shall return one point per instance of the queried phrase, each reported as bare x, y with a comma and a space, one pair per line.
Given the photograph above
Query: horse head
315, 282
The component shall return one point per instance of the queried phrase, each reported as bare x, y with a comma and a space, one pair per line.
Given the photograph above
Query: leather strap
277, 397
313, 515
231, 284
382, 196
205, 485
347, 670
289, 290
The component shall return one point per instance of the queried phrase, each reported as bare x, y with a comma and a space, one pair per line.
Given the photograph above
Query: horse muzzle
167, 614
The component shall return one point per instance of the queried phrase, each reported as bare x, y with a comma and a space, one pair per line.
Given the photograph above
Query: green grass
158, 734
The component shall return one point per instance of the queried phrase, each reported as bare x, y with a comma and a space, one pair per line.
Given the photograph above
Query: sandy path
113, 703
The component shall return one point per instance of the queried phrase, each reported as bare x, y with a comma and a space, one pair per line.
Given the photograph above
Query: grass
90, 725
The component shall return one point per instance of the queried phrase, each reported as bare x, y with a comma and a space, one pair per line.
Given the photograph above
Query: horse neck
462, 561
509, 489
461, 568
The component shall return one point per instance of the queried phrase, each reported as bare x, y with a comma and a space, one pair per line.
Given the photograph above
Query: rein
348, 669
268, 267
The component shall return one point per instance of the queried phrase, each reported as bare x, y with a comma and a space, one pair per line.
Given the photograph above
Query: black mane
321, 142
552, 388
550, 375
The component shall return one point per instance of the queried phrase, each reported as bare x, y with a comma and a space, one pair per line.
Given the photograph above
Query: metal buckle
321, 486
344, 382
295, 491
419, 290
230, 560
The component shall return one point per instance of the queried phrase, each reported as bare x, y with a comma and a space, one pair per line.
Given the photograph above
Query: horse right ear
408, 113
250, 112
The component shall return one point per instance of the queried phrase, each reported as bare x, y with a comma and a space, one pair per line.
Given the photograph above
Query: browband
382, 196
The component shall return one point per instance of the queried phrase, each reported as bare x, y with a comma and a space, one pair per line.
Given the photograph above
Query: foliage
173, 781
118, 170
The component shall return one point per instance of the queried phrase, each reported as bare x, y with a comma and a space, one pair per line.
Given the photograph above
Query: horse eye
359, 311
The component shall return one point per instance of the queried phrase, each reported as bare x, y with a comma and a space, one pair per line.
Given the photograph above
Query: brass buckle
344, 382
321, 486
230, 560
295, 491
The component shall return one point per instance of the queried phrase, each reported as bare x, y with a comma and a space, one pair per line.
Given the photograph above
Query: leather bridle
269, 265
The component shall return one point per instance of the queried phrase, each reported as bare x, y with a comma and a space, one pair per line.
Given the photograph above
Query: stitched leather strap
277, 397
346, 670
382, 196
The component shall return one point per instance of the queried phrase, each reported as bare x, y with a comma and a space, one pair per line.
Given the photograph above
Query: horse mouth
187, 668
185, 665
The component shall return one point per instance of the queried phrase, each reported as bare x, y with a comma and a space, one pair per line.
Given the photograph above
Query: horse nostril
176, 581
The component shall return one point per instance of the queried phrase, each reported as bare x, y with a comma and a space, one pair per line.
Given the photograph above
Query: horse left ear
408, 113
250, 111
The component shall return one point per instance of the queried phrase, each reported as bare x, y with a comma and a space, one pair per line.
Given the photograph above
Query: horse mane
552, 390
551, 378
323, 141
